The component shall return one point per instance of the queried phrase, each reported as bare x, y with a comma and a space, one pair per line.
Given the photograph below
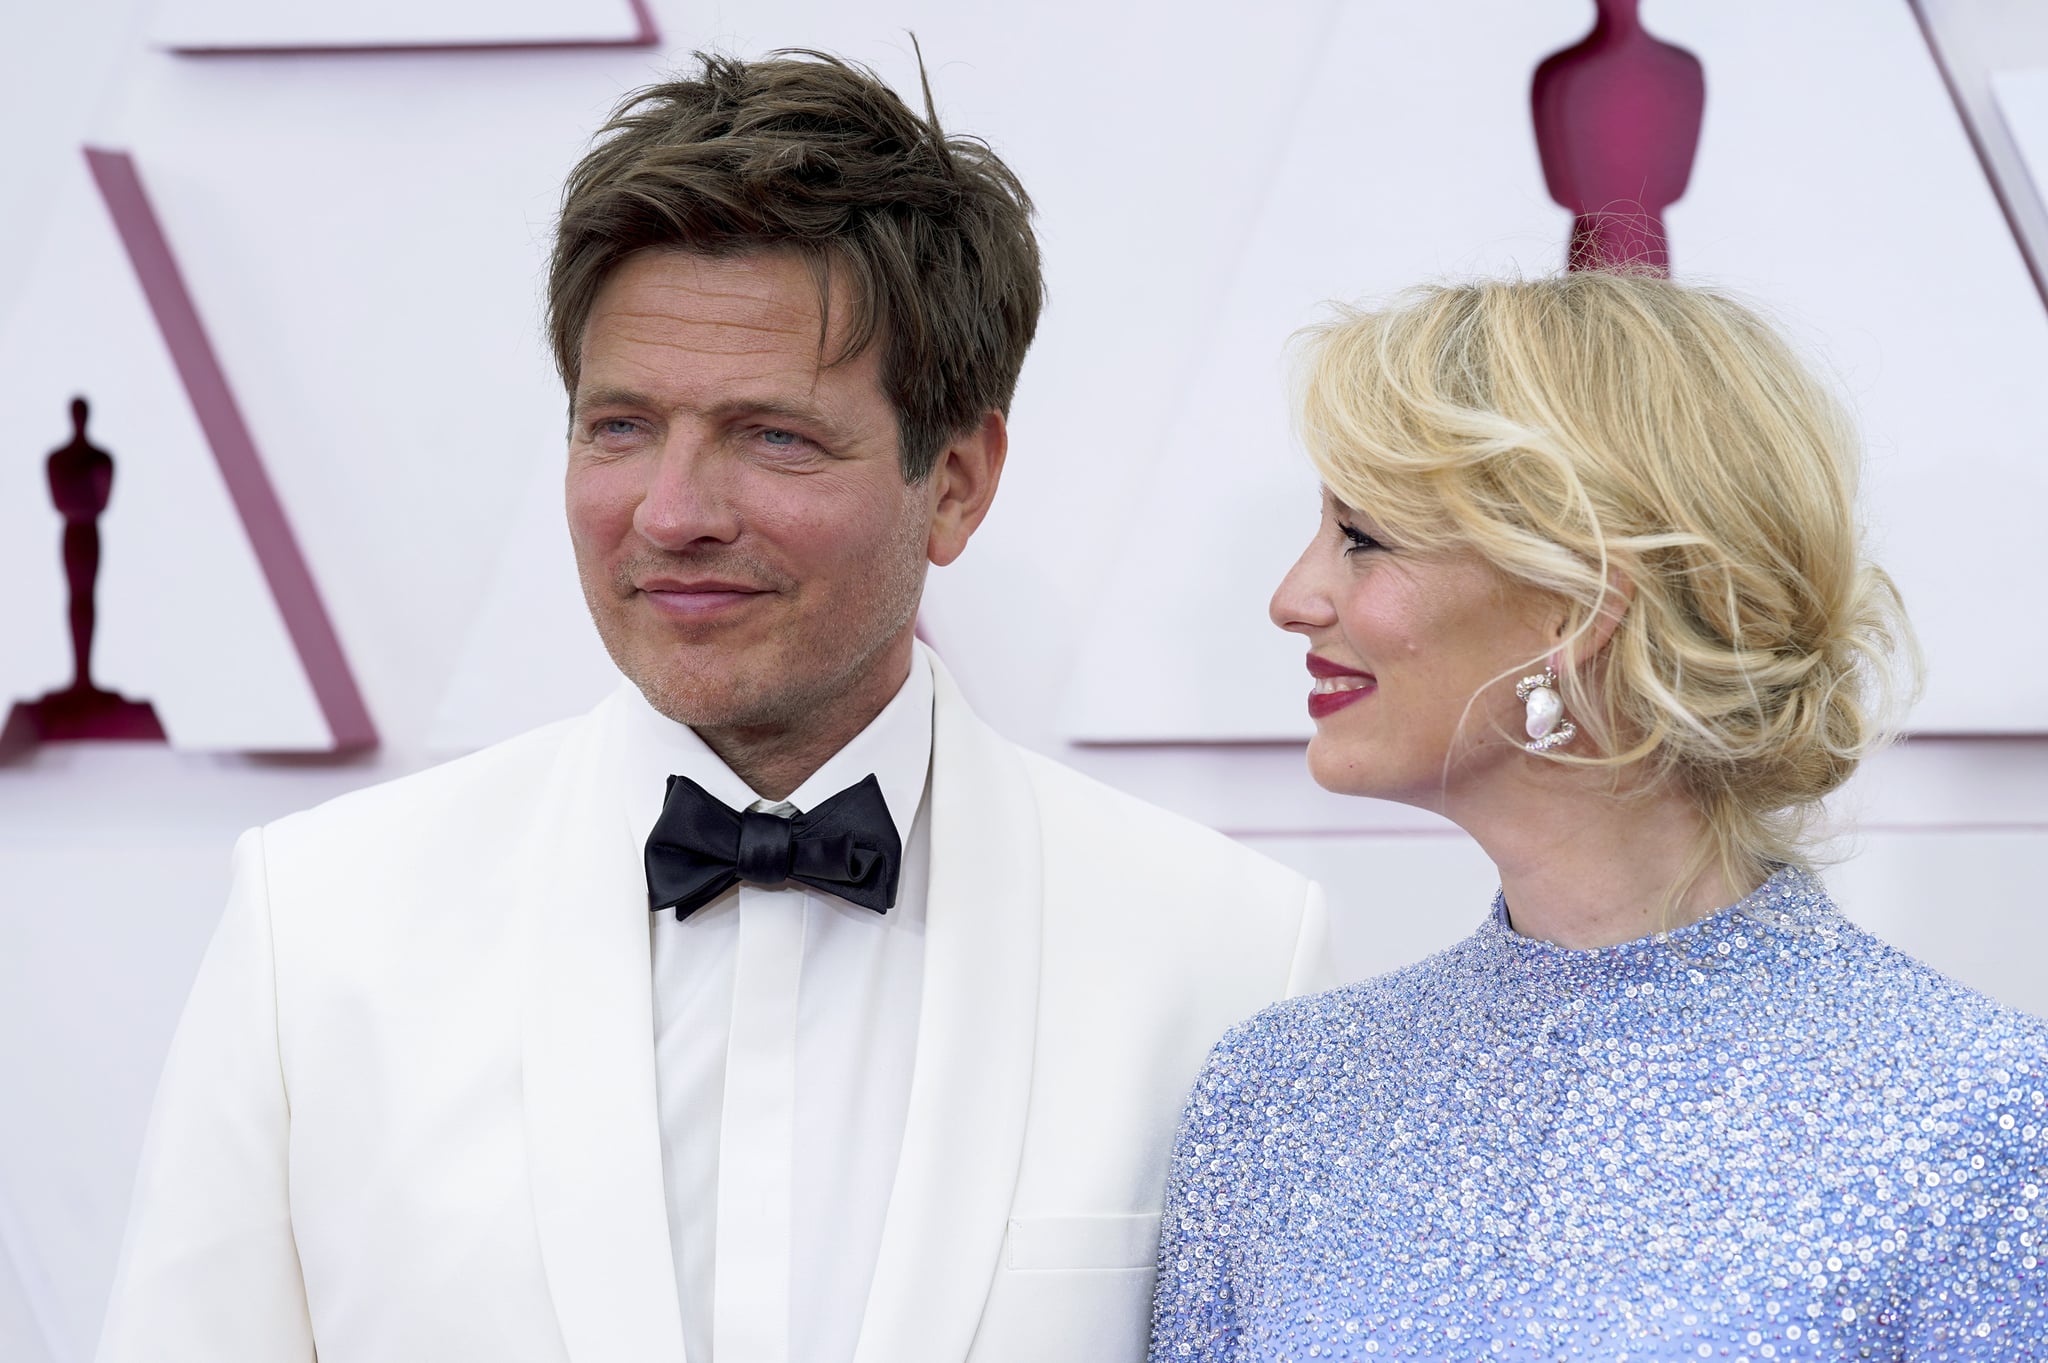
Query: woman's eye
1356, 539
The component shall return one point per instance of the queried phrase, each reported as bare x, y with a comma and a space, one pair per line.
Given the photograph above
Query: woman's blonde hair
1625, 442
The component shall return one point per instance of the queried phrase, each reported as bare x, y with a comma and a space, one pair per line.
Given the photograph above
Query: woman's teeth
1327, 686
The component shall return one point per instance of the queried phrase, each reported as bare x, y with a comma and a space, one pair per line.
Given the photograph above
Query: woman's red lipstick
1336, 687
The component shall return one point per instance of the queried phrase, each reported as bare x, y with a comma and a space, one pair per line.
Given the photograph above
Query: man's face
748, 546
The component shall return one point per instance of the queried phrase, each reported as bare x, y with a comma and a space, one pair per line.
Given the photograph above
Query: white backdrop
364, 236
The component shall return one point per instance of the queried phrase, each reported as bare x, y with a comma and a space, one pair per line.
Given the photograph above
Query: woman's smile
1335, 686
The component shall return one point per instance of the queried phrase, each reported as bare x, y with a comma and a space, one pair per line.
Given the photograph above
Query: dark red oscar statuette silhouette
81, 484
1617, 124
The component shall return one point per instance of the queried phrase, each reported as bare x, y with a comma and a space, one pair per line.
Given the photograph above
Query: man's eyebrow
808, 413
611, 397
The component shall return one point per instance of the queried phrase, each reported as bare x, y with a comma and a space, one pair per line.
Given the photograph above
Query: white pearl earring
1545, 724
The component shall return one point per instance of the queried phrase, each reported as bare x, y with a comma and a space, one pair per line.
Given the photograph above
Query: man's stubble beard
724, 701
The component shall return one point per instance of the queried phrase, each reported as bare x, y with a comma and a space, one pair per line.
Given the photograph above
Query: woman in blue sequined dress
1589, 583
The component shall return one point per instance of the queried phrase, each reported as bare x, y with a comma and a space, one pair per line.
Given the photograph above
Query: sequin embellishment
1765, 1136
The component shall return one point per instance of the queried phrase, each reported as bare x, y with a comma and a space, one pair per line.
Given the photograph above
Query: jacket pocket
1082, 1242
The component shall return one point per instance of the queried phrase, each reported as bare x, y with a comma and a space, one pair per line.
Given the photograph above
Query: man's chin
700, 687
703, 703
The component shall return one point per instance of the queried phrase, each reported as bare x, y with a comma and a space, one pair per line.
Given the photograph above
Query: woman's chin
1342, 769
1349, 769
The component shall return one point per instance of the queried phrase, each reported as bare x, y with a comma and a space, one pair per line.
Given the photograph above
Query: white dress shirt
785, 1026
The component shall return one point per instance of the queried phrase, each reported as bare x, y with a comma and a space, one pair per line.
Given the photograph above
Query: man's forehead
747, 324
772, 295
715, 333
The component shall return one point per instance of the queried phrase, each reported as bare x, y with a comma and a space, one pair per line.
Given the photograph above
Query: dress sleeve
1208, 1222
1984, 1294
209, 1270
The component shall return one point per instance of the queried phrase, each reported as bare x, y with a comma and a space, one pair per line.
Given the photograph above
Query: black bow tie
701, 847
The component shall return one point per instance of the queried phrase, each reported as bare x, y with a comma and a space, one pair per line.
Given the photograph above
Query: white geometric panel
532, 655
1836, 185
1412, 158
284, 25
186, 616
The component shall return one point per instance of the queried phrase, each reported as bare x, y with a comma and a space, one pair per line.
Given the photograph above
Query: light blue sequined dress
1766, 1136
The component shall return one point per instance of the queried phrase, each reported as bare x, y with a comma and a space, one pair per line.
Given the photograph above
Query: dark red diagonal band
644, 34
241, 467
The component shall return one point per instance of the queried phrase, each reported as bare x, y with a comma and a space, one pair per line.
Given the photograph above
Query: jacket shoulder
492, 787
1154, 844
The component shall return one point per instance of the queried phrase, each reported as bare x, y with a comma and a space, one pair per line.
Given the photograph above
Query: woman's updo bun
1629, 443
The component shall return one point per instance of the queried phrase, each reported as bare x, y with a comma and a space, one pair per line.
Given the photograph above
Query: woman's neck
1582, 867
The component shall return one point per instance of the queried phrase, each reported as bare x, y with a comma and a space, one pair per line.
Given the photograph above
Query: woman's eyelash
1357, 539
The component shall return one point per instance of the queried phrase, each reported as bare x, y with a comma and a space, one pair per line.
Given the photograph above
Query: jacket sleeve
1312, 970
209, 1271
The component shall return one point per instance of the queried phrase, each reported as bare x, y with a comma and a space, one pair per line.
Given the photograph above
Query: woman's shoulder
1366, 1021
1969, 1068
1268, 1087
1926, 1014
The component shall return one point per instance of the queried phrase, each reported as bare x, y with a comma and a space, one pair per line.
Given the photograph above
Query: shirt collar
895, 747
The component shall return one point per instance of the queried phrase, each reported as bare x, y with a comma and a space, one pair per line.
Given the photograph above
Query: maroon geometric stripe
241, 467
645, 34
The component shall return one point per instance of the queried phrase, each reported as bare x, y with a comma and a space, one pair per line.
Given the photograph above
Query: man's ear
963, 484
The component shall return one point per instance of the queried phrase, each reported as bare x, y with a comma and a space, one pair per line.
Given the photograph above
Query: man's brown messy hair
809, 153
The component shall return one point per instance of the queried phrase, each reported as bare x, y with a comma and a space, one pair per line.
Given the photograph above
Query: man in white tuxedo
890, 1071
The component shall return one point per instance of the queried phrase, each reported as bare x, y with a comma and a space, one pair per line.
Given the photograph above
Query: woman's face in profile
1406, 651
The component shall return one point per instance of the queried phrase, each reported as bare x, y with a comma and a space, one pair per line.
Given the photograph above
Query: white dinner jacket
409, 1114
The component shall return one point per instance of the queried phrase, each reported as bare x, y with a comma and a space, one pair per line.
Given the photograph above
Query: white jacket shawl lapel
971, 1085
588, 1041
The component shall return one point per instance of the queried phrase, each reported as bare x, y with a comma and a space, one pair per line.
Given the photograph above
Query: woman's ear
1591, 641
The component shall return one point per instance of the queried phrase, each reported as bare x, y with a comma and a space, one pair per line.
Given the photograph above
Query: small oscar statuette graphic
81, 484
1617, 124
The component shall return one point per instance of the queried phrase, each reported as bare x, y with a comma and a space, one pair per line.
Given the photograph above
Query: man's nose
690, 498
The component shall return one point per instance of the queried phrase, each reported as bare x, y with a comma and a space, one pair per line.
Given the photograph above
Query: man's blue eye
779, 437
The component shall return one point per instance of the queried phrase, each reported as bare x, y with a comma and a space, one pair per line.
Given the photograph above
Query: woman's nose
1300, 603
